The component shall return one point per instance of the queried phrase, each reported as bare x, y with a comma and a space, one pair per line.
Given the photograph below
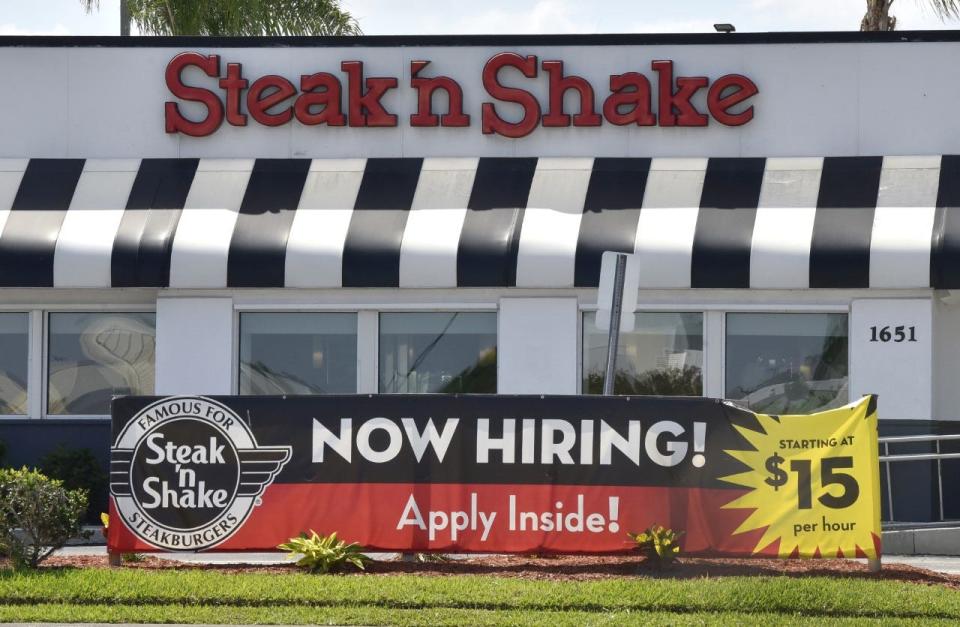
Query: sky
415, 17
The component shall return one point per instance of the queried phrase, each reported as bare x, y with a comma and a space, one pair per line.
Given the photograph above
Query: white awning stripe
85, 245
668, 222
428, 253
903, 223
780, 250
551, 223
202, 242
319, 230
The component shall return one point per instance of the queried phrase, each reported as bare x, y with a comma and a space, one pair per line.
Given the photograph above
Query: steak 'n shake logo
187, 471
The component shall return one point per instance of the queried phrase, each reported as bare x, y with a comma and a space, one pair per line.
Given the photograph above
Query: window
663, 355
438, 352
298, 353
787, 363
93, 356
14, 349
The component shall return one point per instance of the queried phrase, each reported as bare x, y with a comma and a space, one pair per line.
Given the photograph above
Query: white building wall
946, 356
537, 346
195, 345
813, 100
891, 355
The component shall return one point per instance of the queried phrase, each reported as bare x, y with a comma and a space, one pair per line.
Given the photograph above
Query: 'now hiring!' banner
566, 474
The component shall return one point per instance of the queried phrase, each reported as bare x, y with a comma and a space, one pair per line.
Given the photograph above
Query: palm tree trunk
877, 17
124, 19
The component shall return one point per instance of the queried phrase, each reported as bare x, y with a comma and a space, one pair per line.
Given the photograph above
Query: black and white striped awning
836, 222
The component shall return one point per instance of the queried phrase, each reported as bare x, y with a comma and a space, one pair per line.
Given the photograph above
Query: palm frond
945, 9
242, 17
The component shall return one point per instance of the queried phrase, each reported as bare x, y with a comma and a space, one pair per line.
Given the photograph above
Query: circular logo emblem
186, 473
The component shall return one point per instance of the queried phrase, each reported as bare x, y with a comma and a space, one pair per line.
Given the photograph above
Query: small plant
37, 515
658, 544
79, 469
324, 554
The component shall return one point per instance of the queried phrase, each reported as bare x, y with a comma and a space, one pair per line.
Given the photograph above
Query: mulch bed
569, 567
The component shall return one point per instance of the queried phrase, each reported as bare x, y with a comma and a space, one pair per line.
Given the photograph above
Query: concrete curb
936, 541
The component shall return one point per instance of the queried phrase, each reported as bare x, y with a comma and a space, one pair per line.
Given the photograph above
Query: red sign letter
675, 107
740, 88
493, 123
425, 88
175, 122
365, 108
233, 84
329, 98
559, 84
629, 90
277, 90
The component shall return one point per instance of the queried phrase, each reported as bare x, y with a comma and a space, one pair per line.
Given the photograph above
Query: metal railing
889, 459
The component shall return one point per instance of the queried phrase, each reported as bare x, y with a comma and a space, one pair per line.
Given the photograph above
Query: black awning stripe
728, 208
141, 249
30, 234
487, 254
945, 243
258, 250
371, 253
610, 214
840, 252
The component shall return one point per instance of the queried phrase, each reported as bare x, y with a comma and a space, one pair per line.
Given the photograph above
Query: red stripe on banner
498, 518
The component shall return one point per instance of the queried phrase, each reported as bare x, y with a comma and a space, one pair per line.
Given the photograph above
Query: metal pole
940, 480
886, 450
613, 337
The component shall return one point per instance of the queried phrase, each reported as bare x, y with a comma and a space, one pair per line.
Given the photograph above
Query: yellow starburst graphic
814, 482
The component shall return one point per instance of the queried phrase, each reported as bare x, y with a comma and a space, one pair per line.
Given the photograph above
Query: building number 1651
898, 334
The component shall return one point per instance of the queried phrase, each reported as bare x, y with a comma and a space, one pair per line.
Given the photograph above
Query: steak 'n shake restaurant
427, 214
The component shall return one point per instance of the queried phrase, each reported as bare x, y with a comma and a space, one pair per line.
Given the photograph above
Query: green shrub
658, 544
324, 554
79, 469
37, 515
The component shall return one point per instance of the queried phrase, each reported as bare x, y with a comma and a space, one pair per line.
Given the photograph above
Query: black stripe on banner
30, 236
141, 250
728, 209
371, 253
945, 247
489, 241
610, 214
843, 226
258, 249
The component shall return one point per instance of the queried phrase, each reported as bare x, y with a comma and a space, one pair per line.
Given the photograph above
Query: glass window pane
438, 352
298, 353
787, 363
93, 356
663, 355
14, 349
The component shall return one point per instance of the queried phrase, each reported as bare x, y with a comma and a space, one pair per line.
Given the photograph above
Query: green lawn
129, 595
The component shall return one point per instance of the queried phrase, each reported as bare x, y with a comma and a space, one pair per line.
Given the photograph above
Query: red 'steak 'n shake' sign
349, 97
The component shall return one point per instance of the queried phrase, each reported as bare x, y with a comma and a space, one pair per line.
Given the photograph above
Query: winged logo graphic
186, 473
